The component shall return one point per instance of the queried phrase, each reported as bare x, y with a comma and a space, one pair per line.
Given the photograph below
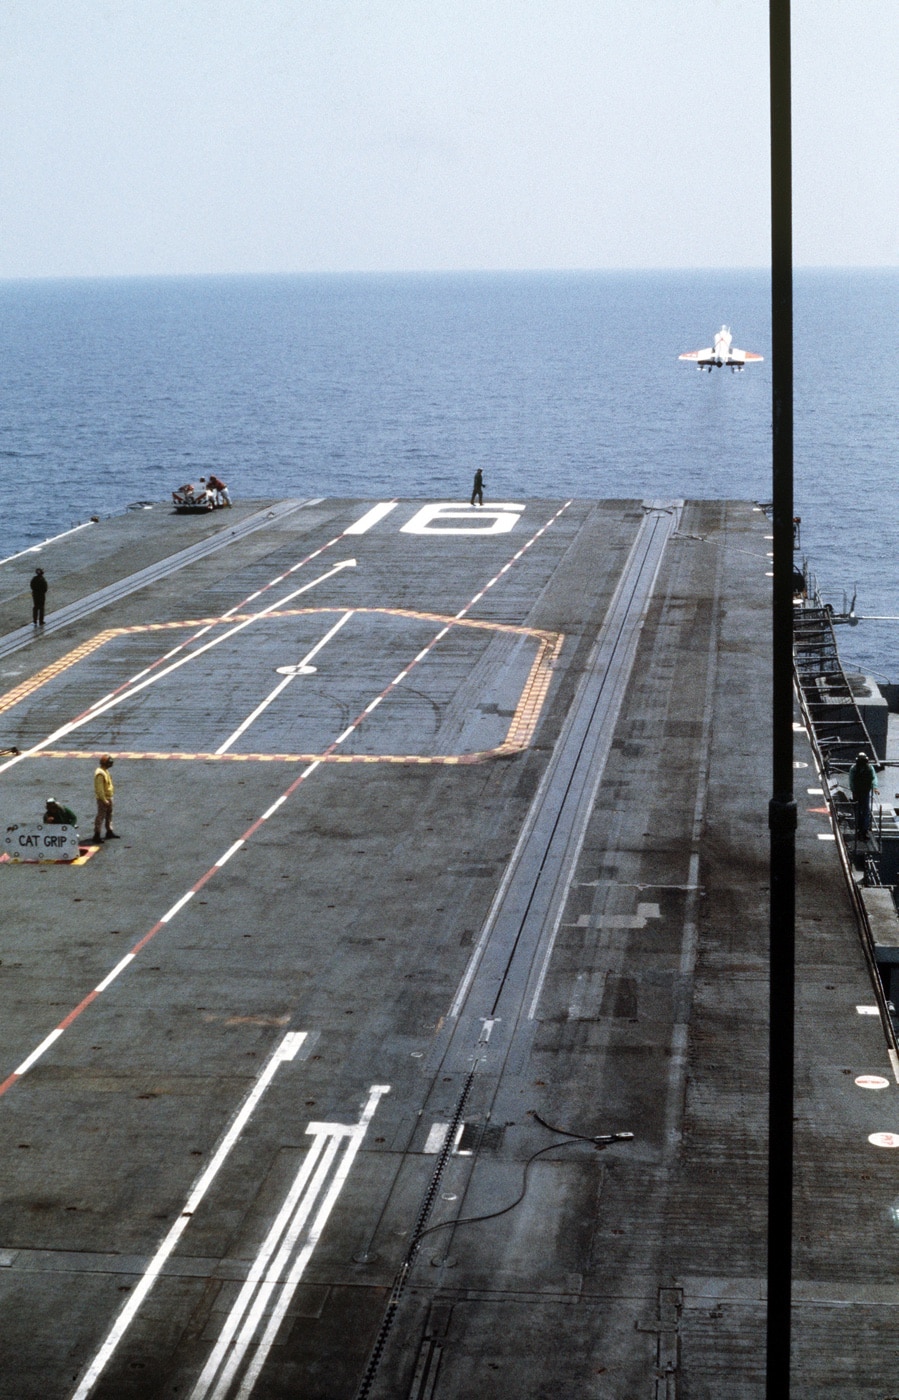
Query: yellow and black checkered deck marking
520, 732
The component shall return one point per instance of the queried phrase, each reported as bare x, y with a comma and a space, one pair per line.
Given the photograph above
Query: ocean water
555, 384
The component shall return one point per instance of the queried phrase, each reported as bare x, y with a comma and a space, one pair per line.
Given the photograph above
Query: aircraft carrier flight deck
410, 1042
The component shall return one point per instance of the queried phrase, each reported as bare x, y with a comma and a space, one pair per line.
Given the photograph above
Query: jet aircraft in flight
721, 353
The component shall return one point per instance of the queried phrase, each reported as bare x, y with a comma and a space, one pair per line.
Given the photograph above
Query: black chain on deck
399, 1283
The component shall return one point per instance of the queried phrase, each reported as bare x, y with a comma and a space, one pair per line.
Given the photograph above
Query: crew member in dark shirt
38, 597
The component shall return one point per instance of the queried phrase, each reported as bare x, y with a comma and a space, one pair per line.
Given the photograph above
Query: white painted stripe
111, 976
231, 851
271, 1263
273, 808
826, 836
894, 1061
36, 548
401, 677
245, 724
868, 1010
345, 735
422, 654
374, 704
132, 690
457, 1138
282, 685
315, 1233
370, 518
175, 907
327, 637
436, 1138
262, 1278
285, 1051
45, 1044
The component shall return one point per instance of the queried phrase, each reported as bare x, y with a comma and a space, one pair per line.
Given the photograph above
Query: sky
159, 137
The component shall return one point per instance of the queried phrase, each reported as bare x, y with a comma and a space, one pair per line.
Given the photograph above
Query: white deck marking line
289, 1222
94, 713
318, 1225
111, 976
286, 1050
45, 1044
271, 1263
36, 548
283, 684
436, 1138
151, 933
179, 904
272, 810
370, 518
231, 851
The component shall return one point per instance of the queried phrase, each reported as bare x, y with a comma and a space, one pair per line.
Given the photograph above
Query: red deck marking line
148, 936
76, 1011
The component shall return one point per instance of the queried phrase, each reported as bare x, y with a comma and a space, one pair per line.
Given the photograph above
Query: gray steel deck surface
442, 854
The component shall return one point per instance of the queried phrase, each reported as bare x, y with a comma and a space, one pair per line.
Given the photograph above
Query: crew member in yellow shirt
103, 790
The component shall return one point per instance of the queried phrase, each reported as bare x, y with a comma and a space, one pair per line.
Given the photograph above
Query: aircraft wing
743, 357
700, 356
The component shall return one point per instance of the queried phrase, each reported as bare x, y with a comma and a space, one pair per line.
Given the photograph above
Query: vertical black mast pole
782, 807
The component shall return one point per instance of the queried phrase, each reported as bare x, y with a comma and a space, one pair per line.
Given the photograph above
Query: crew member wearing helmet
103, 790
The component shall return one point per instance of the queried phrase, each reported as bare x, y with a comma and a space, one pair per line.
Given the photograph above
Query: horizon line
323, 273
